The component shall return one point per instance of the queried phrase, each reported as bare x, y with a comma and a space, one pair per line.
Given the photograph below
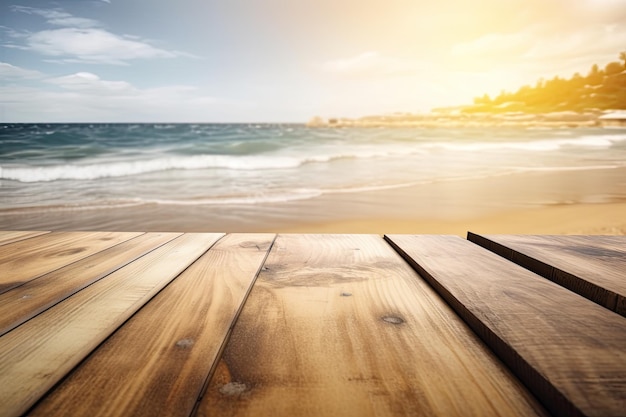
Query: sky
286, 60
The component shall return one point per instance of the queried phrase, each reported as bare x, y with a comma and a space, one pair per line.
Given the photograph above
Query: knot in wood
393, 319
233, 388
68, 252
184, 343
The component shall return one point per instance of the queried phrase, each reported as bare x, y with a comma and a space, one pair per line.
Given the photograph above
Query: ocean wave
82, 206
252, 199
128, 168
286, 158
286, 196
98, 170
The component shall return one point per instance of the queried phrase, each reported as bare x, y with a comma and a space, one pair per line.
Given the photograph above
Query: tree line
601, 89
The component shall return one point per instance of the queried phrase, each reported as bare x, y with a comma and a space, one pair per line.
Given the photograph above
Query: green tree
540, 83
595, 76
601, 88
484, 100
576, 80
613, 68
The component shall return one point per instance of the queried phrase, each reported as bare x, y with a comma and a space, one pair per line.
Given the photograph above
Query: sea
87, 166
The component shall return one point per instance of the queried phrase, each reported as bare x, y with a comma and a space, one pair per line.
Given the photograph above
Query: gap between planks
341, 325
7, 237
39, 353
33, 297
159, 361
25, 260
592, 266
568, 350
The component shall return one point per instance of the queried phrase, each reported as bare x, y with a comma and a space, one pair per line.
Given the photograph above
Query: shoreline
455, 117
574, 202
574, 219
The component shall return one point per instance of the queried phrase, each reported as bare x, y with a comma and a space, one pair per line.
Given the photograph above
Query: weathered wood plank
28, 259
37, 354
568, 350
158, 362
26, 301
592, 266
341, 325
7, 237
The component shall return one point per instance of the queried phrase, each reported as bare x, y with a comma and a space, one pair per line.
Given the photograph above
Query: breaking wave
127, 168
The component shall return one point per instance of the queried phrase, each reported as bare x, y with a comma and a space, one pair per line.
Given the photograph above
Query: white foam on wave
290, 159
303, 193
252, 199
83, 206
127, 168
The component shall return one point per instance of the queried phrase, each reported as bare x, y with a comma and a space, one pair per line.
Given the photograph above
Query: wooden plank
37, 354
592, 266
341, 325
26, 301
158, 362
28, 259
7, 237
568, 350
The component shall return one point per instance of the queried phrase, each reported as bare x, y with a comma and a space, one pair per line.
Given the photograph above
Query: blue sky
285, 61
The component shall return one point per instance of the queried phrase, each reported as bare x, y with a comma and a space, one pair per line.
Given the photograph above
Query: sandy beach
578, 219
576, 202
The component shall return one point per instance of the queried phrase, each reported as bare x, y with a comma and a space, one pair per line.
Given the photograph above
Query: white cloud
81, 40
555, 35
600, 43
372, 64
11, 71
57, 17
538, 52
90, 83
495, 45
85, 97
92, 45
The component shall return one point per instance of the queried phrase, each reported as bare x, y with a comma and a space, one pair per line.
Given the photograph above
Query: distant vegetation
559, 102
601, 89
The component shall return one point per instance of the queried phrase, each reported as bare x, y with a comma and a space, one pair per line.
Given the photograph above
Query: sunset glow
286, 61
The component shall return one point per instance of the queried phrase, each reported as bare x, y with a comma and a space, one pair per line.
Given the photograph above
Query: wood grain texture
341, 325
158, 363
568, 350
28, 259
7, 237
37, 354
26, 301
592, 266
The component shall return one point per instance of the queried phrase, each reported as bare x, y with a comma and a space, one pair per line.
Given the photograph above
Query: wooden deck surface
149, 324
592, 266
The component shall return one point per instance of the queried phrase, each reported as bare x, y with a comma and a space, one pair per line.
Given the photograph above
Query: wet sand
564, 202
